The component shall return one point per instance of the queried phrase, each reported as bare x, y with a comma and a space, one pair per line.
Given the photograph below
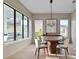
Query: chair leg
67, 51
38, 53
44, 50
47, 51
35, 51
56, 51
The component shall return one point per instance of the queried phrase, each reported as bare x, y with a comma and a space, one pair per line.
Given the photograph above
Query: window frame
4, 20
20, 20
22, 23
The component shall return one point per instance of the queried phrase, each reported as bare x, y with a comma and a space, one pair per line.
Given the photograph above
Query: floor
28, 53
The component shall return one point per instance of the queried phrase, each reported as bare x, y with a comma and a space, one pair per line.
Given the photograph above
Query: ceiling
43, 6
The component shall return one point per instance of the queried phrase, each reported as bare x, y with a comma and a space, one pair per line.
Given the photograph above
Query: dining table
52, 42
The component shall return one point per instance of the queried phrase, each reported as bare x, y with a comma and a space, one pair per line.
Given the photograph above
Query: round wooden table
52, 42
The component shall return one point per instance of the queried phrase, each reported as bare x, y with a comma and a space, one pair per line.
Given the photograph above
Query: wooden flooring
28, 53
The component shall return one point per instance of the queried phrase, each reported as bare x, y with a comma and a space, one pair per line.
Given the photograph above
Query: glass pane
50, 26
8, 23
18, 25
25, 27
30, 28
38, 27
64, 27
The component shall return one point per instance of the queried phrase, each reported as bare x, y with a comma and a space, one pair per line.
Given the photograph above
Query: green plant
40, 33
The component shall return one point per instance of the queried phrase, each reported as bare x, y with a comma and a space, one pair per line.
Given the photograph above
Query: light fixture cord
51, 9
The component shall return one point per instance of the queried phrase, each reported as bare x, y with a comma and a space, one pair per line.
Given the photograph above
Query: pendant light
51, 9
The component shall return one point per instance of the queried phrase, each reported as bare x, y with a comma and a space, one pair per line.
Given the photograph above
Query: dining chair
61, 41
39, 46
63, 46
43, 41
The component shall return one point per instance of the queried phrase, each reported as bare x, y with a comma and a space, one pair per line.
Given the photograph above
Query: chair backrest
62, 38
43, 39
66, 42
36, 42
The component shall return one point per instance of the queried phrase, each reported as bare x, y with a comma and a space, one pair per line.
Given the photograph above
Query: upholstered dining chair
39, 46
43, 41
63, 46
61, 41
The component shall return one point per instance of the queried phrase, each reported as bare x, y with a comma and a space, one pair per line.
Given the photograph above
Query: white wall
73, 28
58, 16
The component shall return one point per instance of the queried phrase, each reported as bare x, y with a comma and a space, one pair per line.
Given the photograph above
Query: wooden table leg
52, 47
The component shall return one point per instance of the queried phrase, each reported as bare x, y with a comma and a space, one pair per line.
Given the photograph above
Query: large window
30, 28
50, 26
16, 25
38, 27
8, 23
64, 27
25, 27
